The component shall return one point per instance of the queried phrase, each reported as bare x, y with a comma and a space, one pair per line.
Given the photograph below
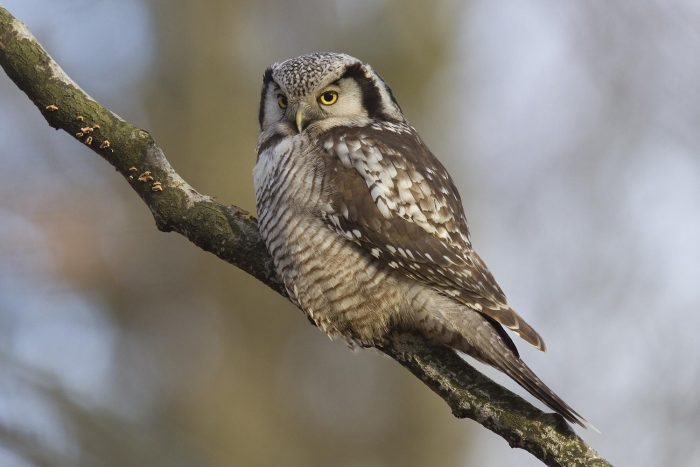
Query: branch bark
232, 234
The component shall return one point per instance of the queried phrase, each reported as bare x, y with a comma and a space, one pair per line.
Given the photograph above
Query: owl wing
393, 198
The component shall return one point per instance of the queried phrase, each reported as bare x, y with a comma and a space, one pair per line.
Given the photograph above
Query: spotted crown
300, 75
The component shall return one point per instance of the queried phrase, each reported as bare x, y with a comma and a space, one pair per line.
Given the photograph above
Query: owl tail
485, 339
514, 367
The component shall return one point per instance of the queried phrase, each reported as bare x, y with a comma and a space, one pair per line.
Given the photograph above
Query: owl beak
300, 119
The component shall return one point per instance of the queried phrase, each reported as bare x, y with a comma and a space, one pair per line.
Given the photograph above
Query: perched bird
366, 227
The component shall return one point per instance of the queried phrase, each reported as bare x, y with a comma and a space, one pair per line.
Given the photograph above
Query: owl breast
343, 291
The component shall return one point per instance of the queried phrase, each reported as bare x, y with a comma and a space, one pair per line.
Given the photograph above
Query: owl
365, 226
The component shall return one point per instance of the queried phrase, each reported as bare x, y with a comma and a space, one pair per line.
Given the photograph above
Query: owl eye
282, 101
328, 98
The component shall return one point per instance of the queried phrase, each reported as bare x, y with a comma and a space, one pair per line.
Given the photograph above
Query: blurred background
570, 129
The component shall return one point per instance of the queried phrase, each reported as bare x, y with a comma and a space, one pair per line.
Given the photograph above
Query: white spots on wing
398, 128
396, 185
440, 216
407, 198
362, 169
377, 190
335, 221
386, 177
383, 208
442, 233
391, 202
453, 261
416, 176
405, 253
341, 150
373, 156
418, 217
404, 182
354, 145
426, 190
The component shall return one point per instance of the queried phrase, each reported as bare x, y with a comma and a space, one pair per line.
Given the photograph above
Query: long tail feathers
482, 337
525, 377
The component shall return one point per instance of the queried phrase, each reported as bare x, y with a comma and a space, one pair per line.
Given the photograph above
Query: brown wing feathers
408, 214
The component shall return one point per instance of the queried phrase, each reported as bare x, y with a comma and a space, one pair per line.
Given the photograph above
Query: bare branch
232, 235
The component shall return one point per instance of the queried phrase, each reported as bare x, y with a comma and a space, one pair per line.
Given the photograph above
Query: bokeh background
571, 129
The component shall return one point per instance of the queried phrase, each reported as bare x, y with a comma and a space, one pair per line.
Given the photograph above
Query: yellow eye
282, 101
328, 98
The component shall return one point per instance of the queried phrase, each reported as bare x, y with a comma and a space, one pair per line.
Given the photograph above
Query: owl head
324, 90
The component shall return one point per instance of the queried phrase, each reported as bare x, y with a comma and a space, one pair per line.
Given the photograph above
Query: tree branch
232, 235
